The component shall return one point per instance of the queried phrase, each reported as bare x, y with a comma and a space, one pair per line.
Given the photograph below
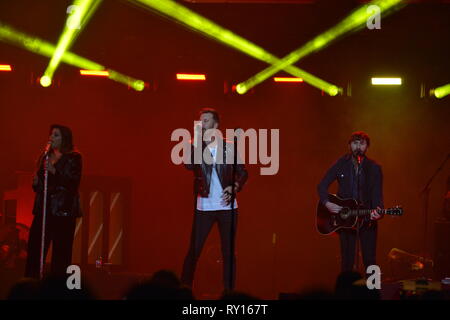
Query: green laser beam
209, 28
38, 46
75, 23
355, 20
442, 91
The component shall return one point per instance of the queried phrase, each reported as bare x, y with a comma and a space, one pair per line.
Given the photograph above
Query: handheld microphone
47, 148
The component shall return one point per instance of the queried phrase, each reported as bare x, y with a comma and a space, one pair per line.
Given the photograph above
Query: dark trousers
59, 231
202, 225
368, 246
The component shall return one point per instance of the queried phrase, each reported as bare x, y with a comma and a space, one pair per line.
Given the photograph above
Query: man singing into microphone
213, 190
352, 170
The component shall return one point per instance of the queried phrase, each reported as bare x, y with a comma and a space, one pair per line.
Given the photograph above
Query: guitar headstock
395, 211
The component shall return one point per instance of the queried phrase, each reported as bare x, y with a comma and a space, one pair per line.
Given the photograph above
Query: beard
358, 152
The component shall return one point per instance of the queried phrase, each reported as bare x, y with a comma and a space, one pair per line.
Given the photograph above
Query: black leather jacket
202, 172
63, 198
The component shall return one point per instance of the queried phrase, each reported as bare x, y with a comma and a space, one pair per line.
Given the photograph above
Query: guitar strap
367, 174
362, 173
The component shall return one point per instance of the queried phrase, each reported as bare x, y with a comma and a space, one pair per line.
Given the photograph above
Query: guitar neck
365, 212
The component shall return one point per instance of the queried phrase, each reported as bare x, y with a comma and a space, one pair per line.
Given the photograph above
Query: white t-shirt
214, 200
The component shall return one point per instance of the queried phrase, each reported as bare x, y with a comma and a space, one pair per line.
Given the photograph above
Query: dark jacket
203, 171
63, 198
371, 183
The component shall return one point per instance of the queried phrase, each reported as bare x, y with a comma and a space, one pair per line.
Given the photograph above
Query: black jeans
59, 230
202, 225
368, 245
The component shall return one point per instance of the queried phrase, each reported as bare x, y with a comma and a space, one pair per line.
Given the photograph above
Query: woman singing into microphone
62, 206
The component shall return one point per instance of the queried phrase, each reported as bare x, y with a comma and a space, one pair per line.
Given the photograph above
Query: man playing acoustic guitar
361, 179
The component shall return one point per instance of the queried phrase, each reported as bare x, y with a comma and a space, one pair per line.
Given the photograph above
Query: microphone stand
358, 192
44, 214
232, 231
426, 196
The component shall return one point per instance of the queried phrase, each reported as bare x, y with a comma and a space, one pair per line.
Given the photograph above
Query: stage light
83, 10
287, 79
408, 260
333, 91
356, 20
94, 73
45, 81
185, 76
241, 89
5, 67
209, 28
41, 47
138, 85
386, 81
442, 91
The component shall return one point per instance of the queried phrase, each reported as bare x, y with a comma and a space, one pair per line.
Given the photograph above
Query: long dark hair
66, 134
66, 143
